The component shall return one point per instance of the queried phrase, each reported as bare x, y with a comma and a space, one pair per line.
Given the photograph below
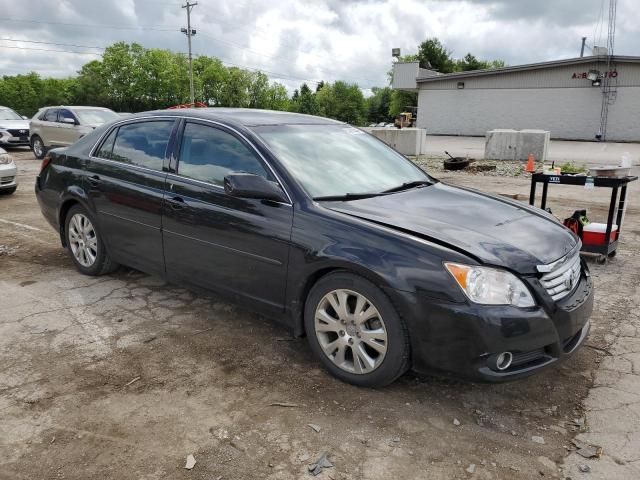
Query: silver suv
61, 126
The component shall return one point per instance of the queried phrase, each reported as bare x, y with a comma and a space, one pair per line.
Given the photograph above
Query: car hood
494, 230
20, 124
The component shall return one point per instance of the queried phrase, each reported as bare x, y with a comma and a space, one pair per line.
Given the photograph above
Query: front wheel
85, 244
355, 331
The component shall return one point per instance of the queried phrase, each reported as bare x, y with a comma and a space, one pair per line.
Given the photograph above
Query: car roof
247, 117
75, 107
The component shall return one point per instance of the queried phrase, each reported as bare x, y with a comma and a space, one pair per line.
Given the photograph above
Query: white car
8, 173
14, 128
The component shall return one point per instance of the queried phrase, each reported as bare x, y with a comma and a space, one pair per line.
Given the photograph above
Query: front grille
19, 132
6, 180
564, 277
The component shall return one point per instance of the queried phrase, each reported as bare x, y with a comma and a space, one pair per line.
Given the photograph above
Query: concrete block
407, 141
506, 144
535, 142
501, 144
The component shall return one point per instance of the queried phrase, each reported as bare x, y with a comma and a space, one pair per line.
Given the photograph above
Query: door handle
94, 180
177, 203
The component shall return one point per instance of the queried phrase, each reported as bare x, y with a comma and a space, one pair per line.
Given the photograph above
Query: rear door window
51, 115
106, 149
143, 143
209, 153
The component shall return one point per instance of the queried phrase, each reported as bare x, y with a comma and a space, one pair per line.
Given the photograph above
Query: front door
126, 181
217, 241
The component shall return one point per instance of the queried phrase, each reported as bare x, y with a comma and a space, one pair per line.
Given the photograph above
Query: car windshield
88, 116
6, 114
339, 160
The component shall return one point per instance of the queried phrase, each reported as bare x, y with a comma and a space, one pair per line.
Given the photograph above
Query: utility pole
584, 41
189, 32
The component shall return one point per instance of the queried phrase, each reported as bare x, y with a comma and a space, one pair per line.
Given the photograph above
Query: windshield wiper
347, 196
408, 185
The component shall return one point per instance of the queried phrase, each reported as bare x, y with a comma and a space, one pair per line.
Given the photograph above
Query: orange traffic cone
531, 166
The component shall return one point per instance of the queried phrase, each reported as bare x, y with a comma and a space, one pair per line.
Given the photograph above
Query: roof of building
247, 117
529, 66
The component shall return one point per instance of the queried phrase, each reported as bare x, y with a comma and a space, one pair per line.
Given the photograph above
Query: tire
337, 343
95, 260
38, 148
456, 163
8, 191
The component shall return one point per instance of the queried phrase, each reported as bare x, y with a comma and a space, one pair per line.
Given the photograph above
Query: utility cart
616, 206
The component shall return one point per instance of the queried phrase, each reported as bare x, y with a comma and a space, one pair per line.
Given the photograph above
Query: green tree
304, 101
400, 100
433, 55
210, 76
342, 101
378, 105
277, 97
90, 86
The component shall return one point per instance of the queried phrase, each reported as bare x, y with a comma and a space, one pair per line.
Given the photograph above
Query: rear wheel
37, 145
355, 330
85, 244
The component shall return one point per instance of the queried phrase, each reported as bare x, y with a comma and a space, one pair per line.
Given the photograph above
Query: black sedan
329, 231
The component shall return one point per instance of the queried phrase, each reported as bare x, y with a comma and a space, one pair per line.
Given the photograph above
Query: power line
159, 28
49, 50
49, 43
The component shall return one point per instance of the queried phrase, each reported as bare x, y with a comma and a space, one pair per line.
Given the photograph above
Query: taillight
45, 163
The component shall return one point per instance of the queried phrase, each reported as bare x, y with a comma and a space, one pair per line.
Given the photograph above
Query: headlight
5, 159
490, 286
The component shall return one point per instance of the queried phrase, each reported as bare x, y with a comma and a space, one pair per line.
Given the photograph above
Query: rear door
125, 181
217, 241
67, 132
49, 127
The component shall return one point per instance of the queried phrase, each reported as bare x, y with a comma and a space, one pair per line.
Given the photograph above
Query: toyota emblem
23, 131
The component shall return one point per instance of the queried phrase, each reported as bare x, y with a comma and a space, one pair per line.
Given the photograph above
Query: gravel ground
123, 376
434, 165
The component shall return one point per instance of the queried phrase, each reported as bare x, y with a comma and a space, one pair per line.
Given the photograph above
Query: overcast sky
298, 40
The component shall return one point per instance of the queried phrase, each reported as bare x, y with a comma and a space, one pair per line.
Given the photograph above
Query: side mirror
69, 121
24, 117
248, 185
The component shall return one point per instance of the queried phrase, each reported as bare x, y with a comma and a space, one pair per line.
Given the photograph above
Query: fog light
504, 360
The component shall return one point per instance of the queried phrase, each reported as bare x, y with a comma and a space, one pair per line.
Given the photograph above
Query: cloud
303, 40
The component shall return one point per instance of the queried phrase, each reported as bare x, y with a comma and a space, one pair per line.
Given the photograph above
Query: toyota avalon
329, 231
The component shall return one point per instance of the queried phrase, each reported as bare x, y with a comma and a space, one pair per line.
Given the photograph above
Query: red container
593, 233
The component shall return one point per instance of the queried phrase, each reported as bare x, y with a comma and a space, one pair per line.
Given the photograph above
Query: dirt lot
123, 376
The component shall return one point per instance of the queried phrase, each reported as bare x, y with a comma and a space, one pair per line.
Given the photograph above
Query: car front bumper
8, 176
14, 138
465, 338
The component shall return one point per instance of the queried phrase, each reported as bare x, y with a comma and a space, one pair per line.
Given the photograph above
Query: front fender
324, 241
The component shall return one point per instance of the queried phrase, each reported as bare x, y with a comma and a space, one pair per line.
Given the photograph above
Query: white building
564, 97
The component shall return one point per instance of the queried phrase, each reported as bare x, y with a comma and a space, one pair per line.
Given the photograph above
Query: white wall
568, 113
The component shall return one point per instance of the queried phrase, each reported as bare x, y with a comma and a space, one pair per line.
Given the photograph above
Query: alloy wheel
351, 331
83, 240
38, 147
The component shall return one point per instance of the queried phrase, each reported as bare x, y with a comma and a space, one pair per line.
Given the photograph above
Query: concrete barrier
407, 141
501, 144
505, 144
